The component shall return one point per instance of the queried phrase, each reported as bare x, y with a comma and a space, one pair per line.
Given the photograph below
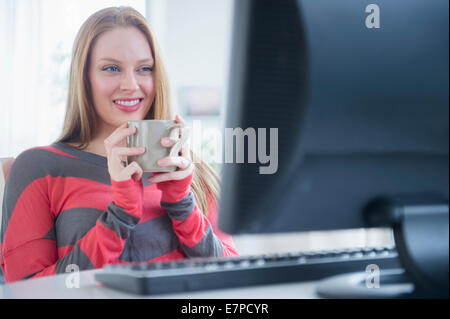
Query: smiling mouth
128, 105
128, 102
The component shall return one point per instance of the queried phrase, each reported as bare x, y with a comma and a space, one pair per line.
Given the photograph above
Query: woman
77, 202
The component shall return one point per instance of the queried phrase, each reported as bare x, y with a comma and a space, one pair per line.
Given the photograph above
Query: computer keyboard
216, 273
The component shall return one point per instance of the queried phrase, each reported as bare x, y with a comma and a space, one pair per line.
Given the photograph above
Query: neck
96, 145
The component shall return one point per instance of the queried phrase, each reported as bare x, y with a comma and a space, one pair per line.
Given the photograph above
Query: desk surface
54, 287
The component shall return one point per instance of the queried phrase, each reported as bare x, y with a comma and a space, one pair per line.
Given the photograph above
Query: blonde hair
81, 120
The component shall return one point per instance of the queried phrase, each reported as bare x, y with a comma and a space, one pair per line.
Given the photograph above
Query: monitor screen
330, 105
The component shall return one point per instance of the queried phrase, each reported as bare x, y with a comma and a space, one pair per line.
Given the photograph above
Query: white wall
194, 37
198, 36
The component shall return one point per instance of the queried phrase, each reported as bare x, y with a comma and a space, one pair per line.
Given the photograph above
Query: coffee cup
149, 134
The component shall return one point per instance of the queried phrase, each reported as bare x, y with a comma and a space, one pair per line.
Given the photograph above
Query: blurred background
36, 39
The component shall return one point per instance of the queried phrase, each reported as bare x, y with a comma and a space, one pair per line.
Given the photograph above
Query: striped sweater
61, 208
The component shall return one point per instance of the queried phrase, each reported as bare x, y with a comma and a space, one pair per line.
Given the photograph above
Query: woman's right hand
115, 151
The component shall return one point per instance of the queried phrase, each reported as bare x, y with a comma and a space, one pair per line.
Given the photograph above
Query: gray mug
149, 134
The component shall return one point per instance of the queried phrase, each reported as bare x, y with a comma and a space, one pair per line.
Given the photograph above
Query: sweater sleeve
198, 234
27, 250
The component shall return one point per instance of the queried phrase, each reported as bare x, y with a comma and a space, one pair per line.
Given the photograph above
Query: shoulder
36, 162
43, 153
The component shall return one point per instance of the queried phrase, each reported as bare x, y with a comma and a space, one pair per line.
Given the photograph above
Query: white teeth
127, 103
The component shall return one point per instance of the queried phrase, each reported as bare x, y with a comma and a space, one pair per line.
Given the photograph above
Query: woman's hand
116, 150
183, 161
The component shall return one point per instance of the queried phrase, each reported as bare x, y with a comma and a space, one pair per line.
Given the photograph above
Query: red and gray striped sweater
61, 207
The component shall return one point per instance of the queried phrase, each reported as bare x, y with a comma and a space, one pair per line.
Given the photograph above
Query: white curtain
22, 75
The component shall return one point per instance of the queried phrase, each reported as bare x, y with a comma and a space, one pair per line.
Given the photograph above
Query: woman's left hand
183, 161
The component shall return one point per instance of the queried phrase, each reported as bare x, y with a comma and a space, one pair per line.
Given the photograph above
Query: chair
5, 166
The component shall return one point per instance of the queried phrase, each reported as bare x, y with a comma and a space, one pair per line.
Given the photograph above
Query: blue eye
146, 69
112, 68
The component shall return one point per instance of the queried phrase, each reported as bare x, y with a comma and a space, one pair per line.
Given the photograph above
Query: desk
54, 287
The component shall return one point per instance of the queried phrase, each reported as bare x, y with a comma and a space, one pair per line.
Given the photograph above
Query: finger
168, 142
119, 135
176, 175
127, 151
175, 133
185, 150
118, 155
160, 178
137, 175
125, 124
120, 128
185, 147
178, 119
179, 161
134, 170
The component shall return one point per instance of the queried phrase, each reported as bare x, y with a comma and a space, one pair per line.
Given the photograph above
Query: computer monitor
358, 96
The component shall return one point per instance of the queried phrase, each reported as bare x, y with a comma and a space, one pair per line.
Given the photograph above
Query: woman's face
121, 77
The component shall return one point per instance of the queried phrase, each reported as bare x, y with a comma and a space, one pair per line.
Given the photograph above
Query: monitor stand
421, 234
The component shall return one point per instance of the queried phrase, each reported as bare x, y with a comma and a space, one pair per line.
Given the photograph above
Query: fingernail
162, 162
165, 141
142, 149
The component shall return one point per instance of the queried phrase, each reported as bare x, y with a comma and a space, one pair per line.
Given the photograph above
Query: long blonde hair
81, 120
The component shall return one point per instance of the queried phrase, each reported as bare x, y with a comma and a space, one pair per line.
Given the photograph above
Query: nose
129, 82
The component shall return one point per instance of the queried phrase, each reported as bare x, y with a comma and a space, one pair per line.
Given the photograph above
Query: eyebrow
118, 62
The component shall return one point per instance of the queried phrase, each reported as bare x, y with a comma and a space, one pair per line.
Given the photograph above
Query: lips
129, 104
